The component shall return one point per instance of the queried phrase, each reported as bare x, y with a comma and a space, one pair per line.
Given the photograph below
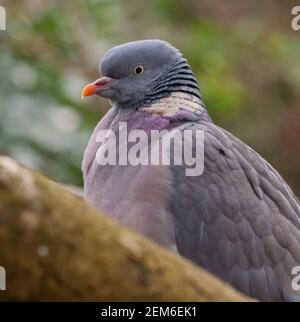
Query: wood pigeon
239, 219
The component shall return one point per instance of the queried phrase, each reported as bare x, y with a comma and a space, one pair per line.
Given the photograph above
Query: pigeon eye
138, 70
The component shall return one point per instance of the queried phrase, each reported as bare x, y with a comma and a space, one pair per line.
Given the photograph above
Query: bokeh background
245, 54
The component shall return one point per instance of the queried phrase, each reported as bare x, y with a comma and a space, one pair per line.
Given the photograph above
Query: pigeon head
142, 71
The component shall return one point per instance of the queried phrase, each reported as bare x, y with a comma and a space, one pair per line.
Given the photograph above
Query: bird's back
239, 219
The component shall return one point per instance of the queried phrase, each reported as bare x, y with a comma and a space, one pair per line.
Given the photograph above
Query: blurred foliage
245, 55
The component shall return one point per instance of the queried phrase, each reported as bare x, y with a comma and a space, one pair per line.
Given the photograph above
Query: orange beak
96, 86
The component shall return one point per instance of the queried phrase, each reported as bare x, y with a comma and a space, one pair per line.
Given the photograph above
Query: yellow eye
138, 70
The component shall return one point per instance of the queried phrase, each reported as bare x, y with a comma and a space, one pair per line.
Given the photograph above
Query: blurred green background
244, 53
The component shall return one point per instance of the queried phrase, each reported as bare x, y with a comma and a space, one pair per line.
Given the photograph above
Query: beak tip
92, 88
88, 90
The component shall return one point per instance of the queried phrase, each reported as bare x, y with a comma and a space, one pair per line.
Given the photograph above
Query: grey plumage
244, 221
239, 219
